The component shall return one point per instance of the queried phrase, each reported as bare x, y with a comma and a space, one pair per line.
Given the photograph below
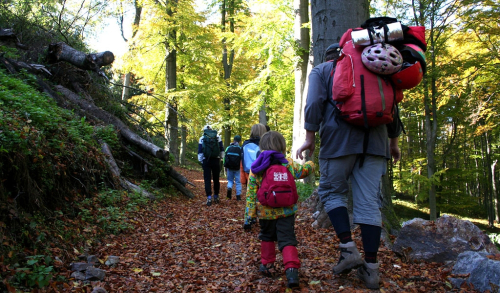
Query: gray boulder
479, 271
441, 240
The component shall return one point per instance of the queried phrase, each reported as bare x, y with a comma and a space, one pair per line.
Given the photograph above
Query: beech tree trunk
62, 52
302, 38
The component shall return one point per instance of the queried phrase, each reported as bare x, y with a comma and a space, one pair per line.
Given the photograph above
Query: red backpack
364, 97
277, 188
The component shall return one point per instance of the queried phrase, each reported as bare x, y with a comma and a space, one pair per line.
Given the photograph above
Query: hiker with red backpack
352, 102
210, 151
272, 198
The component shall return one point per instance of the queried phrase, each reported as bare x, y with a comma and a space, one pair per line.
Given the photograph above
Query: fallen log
88, 107
106, 117
14, 66
115, 171
8, 37
62, 52
182, 189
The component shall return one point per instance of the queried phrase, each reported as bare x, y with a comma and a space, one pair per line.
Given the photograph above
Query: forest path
184, 246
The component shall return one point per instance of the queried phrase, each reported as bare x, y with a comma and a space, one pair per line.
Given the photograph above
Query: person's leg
215, 170
238, 184
287, 244
268, 237
333, 189
231, 174
216, 173
367, 201
207, 180
230, 178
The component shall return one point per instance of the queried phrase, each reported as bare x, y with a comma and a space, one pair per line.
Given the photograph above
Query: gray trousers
365, 183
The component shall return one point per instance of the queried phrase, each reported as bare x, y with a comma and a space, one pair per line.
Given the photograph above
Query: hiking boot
209, 201
267, 270
229, 190
369, 272
292, 277
238, 197
216, 198
349, 258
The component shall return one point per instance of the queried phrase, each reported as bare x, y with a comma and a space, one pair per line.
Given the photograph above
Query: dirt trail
185, 246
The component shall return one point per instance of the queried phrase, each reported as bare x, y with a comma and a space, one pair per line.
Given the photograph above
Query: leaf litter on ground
181, 245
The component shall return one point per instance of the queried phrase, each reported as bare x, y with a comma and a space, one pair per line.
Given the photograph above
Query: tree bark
330, 19
182, 156
62, 52
172, 122
302, 38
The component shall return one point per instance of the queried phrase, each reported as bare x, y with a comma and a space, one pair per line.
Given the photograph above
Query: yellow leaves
137, 270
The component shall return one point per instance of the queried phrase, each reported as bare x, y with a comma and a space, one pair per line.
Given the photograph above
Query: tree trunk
431, 120
172, 123
126, 88
62, 52
302, 39
227, 16
182, 156
330, 19
262, 112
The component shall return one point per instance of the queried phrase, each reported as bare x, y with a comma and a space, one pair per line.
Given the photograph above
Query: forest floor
182, 245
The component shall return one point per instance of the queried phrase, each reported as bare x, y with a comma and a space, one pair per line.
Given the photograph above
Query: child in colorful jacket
276, 224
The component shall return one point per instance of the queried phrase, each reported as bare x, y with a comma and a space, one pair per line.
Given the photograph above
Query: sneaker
229, 190
369, 272
216, 198
238, 197
209, 201
349, 259
292, 277
267, 270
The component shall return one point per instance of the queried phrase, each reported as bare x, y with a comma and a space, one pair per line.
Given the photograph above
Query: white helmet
207, 127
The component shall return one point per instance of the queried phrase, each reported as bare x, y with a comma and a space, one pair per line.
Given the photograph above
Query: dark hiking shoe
216, 199
209, 201
349, 258
238, 197
229, 191
267, 270
292, 277
369, 272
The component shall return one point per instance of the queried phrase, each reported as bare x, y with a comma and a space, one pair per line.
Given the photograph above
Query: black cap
333, 47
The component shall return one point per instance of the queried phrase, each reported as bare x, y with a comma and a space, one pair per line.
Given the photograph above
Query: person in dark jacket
232, 162
211, 169
341, 150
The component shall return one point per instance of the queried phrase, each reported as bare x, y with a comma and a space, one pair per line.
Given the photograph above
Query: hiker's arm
309, 144
395, 152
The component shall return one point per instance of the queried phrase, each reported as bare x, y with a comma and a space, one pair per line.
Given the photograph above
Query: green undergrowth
56, 195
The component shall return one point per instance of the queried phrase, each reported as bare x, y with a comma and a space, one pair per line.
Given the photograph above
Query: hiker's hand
395, 151
247, 227
309, 144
